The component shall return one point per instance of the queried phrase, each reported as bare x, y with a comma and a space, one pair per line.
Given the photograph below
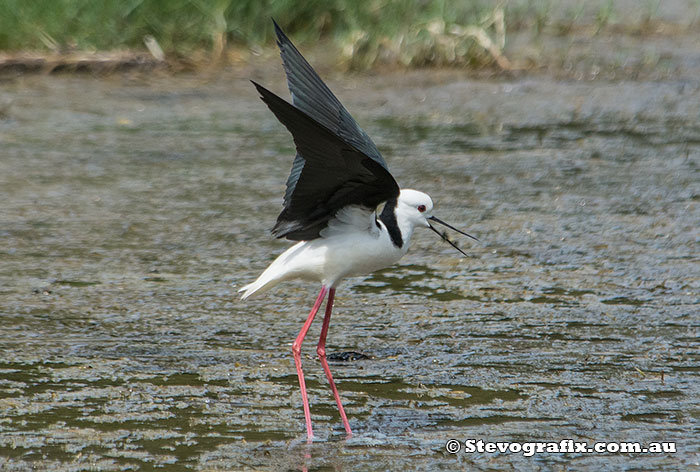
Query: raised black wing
335, 174
312, 96
336, 164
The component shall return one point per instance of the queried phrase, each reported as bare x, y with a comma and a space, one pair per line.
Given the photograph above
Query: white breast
352, 244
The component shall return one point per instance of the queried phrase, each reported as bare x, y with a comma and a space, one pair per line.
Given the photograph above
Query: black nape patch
388, 217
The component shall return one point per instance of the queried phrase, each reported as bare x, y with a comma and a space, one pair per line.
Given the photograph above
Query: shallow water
135, 205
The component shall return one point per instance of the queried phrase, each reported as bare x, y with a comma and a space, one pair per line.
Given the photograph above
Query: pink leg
321, 350
296, 350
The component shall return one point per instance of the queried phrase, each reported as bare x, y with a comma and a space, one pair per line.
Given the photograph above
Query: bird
338, 182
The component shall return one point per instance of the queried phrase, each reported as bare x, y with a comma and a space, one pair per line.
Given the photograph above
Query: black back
336, 164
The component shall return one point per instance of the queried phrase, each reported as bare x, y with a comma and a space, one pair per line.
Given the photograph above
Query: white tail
274, 274
260, 285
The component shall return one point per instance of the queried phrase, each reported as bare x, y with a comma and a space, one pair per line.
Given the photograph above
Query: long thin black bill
445, 238
437, 220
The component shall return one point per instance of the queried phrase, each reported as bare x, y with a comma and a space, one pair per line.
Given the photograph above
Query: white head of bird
415, 207
338, 180
412, 209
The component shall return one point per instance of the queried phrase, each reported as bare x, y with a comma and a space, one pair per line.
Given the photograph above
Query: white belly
329, 260
332, 257
362, 256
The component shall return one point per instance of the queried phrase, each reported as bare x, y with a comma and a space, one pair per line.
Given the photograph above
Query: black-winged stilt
338, 180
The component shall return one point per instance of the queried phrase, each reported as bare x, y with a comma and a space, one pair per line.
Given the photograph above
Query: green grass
183, 26
176, 24
364, 32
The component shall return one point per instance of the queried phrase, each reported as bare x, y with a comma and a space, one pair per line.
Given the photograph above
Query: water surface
133, 206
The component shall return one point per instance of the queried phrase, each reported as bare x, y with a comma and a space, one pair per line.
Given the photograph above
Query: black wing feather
312, 96
336, 164
335, 174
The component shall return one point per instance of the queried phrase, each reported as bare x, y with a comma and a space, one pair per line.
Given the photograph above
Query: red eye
421, 208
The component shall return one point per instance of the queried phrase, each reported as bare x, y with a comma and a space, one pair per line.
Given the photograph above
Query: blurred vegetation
407, 31
365, 32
